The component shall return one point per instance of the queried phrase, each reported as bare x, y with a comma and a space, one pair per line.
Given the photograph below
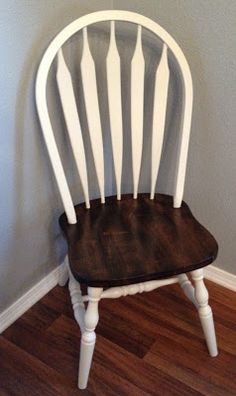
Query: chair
131, 243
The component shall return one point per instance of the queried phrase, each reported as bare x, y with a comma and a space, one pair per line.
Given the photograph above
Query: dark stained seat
131, 241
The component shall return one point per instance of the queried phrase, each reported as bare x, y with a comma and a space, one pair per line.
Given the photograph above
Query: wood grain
22, 374
131, 241
153, 345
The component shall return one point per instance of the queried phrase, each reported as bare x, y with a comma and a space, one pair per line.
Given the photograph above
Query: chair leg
205, 312
76, 301
188, 288
88, 337
64, 273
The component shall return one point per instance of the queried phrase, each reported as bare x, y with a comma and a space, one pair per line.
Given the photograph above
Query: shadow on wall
35, 242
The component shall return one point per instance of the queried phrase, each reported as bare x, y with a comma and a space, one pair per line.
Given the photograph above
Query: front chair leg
205, 312
88, 337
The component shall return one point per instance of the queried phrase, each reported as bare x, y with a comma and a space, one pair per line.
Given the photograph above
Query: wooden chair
124, 244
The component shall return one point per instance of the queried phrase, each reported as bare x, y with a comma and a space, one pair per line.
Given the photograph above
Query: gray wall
31, 244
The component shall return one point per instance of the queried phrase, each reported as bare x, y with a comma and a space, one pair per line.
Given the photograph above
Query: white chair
126, 244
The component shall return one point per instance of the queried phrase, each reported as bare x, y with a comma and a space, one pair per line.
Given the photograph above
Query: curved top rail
111, 15
41, 81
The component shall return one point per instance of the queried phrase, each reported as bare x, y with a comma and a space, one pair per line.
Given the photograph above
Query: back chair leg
205, 312
88, 337
188, 288
76, 301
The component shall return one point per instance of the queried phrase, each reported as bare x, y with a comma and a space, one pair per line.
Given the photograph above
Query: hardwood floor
148, 344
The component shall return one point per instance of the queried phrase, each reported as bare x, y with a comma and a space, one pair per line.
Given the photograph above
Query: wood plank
222, 295
40, 316
218, 306
185, 317
136, 371
57, 349
118, 331
189, 364
155, 317
106, 382
21, 374
59, 300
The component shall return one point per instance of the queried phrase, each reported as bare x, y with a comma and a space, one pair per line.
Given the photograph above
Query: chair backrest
89, 82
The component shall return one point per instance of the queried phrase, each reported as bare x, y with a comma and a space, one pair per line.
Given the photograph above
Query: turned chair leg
76, 301
205, 312
88, 337
188, 288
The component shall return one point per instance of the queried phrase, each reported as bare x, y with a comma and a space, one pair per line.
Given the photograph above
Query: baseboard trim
20, 306
38, 291
220, 277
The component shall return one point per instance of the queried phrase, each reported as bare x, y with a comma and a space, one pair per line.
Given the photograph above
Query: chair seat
131, 241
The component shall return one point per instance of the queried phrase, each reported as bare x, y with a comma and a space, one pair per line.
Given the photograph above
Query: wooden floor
149, 344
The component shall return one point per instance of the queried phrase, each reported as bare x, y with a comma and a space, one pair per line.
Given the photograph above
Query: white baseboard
20, 306
38, 291
220, 277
